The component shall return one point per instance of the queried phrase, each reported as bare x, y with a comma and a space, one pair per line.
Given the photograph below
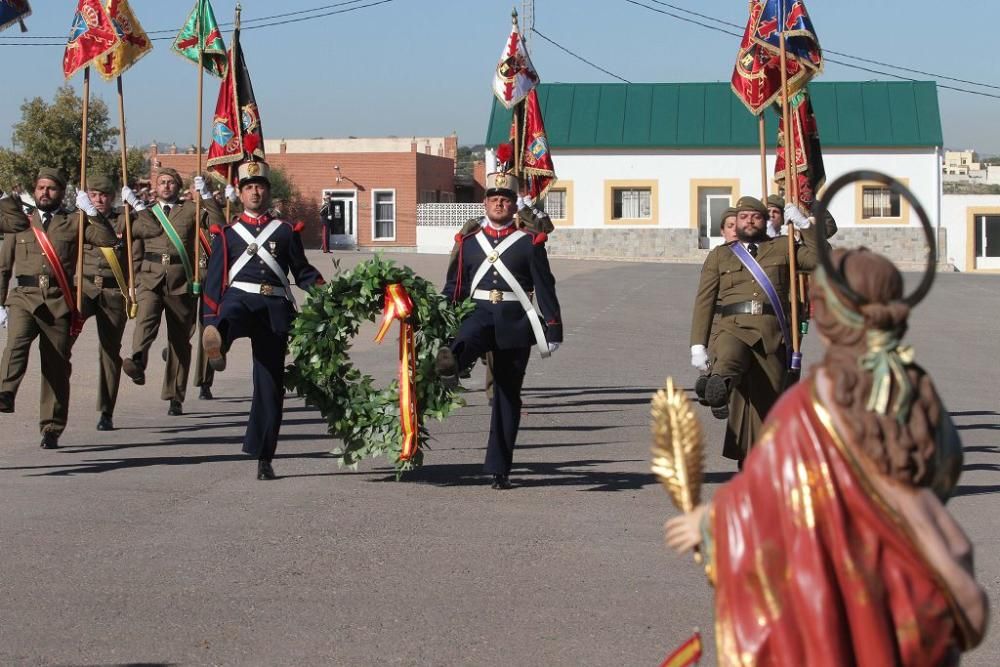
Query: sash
494, 261
750, 262
111, 257
75, 320
175, 239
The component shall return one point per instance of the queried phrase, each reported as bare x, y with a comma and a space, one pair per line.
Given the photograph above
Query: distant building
645, 170
375, 183
961, 163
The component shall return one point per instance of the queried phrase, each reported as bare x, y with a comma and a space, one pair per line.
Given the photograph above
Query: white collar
488, 222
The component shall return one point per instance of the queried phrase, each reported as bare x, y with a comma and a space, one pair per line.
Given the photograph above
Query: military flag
132, 41
90, 37
201, 33
757, 76
515, 76
14, 11
807, 152
236, 130
536, 159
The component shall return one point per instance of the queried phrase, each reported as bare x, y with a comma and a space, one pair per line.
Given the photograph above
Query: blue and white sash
750, 262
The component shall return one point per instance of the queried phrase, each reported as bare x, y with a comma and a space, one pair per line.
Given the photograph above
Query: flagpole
131, 306
763, 157
518, 118
791, 195
196, 287
83, 188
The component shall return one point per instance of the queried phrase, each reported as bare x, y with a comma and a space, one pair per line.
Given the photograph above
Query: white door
987, 231
715, 201
344, 210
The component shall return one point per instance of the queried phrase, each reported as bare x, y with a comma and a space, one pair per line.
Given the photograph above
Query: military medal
274, 246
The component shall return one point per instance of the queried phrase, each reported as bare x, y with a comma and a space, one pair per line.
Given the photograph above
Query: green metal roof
709, 115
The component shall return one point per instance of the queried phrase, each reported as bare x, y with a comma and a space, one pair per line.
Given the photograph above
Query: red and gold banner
536, 159
91, 36
688, 653
399, 306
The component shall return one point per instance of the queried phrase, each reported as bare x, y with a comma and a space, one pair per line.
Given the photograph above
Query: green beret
748, 203
51, 173
776, 202
100, 183
169, 171
731, 211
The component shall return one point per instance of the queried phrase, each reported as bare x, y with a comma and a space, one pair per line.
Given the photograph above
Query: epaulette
459, 237
537, 238
298, 226
215, 228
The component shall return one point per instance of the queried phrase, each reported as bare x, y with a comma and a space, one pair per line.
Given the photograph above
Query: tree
282, 188
48, 135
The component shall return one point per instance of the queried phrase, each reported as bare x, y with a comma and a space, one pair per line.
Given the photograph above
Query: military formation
38, 290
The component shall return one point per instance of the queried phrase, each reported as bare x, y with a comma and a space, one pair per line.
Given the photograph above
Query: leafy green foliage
48, 135
363, 416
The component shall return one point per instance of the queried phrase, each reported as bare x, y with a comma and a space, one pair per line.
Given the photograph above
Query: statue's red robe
814, 564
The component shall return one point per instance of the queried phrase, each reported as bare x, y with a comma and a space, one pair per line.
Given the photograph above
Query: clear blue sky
423, 67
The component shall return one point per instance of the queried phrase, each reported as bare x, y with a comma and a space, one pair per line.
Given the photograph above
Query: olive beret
748, 203
53, 174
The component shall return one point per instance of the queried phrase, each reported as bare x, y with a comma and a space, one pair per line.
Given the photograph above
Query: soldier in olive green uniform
748, 359
528, 217
37, 307
105, 276
163, 283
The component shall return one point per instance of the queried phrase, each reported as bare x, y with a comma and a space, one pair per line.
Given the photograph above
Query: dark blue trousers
475, 338
244, 317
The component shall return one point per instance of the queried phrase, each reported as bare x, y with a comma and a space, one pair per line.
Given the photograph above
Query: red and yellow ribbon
399, 306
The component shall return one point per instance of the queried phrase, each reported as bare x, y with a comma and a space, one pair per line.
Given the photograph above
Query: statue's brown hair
902, 451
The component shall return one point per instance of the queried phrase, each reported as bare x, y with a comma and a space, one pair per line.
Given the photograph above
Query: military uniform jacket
725, 280
152, 274
529, 264
22, 256
95, 264
285, 245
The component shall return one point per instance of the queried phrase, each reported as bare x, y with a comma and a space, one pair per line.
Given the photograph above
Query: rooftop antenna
527, 19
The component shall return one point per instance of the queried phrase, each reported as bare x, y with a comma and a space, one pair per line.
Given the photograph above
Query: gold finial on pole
513, 15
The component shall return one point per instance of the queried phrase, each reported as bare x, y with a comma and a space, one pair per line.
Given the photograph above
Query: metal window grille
879, 203
632, 204
555, 204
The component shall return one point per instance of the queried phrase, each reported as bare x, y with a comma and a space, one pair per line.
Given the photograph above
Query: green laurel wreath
363, 416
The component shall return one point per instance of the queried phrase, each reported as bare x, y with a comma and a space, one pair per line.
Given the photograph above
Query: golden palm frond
678, 447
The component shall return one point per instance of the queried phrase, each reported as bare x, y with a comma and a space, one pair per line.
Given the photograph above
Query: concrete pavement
155, 544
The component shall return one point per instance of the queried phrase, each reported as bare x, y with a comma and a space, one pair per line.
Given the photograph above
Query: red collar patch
256, 222
499, 233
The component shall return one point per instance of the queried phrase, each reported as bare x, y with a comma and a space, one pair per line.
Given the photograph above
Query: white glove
3, 317
84, 204
132, 200
699, 357
553, 347
231, 193
796, 217
201, 187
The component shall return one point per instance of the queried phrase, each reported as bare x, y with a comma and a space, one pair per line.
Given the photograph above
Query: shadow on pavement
965, 490
525, 475
109, 465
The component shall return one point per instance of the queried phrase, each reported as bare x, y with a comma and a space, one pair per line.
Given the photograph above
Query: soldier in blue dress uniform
246, 294
505, 270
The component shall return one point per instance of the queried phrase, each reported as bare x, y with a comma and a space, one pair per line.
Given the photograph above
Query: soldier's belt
260, 288
44, 281
745, 308
102, 283
493, 295
164, 258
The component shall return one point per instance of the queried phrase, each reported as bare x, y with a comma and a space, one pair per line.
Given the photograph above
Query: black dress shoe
176, 409
206, 393
105, 423
717, 396
446, 367
265, 471
163, 354
211, 340
699, 388
6, 401
131, 369
501, 482
50, 440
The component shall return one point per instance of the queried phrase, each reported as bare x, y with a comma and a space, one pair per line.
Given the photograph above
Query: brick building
375, 184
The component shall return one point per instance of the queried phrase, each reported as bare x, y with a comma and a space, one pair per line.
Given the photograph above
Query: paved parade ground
155, 544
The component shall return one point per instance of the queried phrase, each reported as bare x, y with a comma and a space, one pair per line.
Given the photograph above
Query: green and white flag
201, 33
